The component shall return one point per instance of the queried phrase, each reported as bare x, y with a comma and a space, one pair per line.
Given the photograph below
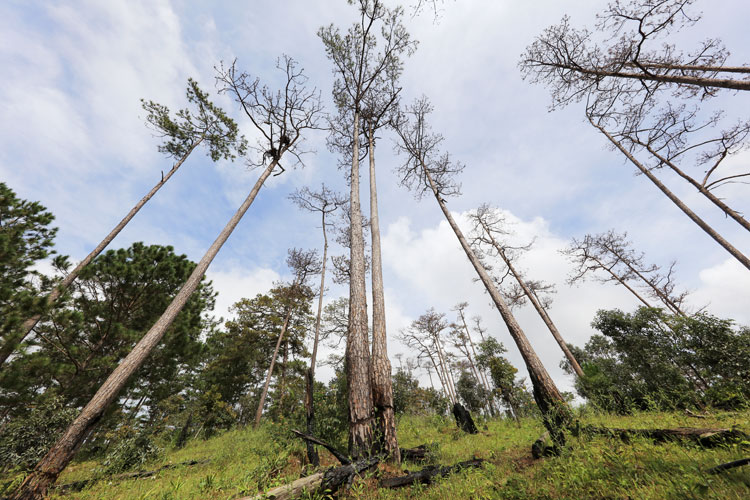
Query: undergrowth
245, 462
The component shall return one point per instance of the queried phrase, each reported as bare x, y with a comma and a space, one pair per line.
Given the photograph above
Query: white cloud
238, 282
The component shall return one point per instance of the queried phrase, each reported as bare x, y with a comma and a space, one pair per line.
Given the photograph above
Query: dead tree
326, 202
625, 86
426, 170
275, 115
489, 234
610, 257
304, 264
207, 125
362, 62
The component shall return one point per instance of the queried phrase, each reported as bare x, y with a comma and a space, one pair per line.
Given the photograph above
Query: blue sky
72, 136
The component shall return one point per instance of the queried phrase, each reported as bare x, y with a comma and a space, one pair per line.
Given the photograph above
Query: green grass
243, 462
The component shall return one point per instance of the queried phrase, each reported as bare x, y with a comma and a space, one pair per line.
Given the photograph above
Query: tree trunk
259, 411
723, 83
555, 411
693, 216
48, 469
538, 306
382, 390
703, 190
358, 367
312, 453
481, 378
10, 345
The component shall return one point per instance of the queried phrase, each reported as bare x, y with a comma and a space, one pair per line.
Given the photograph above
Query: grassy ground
243, 462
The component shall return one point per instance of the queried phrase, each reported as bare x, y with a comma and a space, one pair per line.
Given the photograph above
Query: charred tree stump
463, 419
428, 474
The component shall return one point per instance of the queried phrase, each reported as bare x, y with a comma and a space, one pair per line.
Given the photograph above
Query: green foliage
471, 392
653, 360
207, 123
410, 398
133, 449
25, 439
25, 239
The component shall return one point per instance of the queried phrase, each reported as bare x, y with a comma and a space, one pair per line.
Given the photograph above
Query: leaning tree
202, 124
365, 59
280, 118
630, 84
427, 170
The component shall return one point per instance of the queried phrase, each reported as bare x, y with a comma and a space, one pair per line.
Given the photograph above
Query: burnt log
327, 482
428, 474
706, 437
418, 454
729, 465
463, 419
312, 439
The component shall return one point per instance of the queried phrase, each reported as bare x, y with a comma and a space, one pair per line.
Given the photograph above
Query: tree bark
743, 259
428, 474
537, 305
48, 469
10, 345
382, 389
555, 411
358, 365
262, 402
478, 369
312, 453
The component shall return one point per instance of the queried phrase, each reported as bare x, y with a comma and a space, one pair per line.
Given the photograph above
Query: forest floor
244, 462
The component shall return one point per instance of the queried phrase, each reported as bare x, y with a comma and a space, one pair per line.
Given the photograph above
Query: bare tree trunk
48, 469
440, 378
724, 83
446, 373
382, 390
555, 411
478, 369
537, 305
703, 190
358, 366
262, 402
13, 341
312, 453
693, 216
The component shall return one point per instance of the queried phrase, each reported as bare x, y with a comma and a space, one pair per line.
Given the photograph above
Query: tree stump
463, 419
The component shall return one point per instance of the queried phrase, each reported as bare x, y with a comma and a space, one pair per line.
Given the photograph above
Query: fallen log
539, 449
327, 482
79, 485
312, 439
707, 437
418, 454
428, 474
463, 419
729, 465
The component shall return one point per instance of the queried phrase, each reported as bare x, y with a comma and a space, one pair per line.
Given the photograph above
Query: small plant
130, 452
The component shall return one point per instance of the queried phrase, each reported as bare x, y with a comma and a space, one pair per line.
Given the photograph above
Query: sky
72, 136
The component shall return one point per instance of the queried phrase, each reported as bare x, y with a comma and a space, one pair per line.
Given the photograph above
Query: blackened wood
729, 465
428, 474
312, 439
463, 419
708, 437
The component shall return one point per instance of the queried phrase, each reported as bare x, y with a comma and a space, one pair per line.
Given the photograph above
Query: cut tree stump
327, 482
428, 474
707, 437
463, 419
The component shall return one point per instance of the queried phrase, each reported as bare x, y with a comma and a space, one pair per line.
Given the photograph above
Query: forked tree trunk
48, 469
262, 402
312, 453
537, 305
742, 258
358, 367
13, 341
382, 390
555, 412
